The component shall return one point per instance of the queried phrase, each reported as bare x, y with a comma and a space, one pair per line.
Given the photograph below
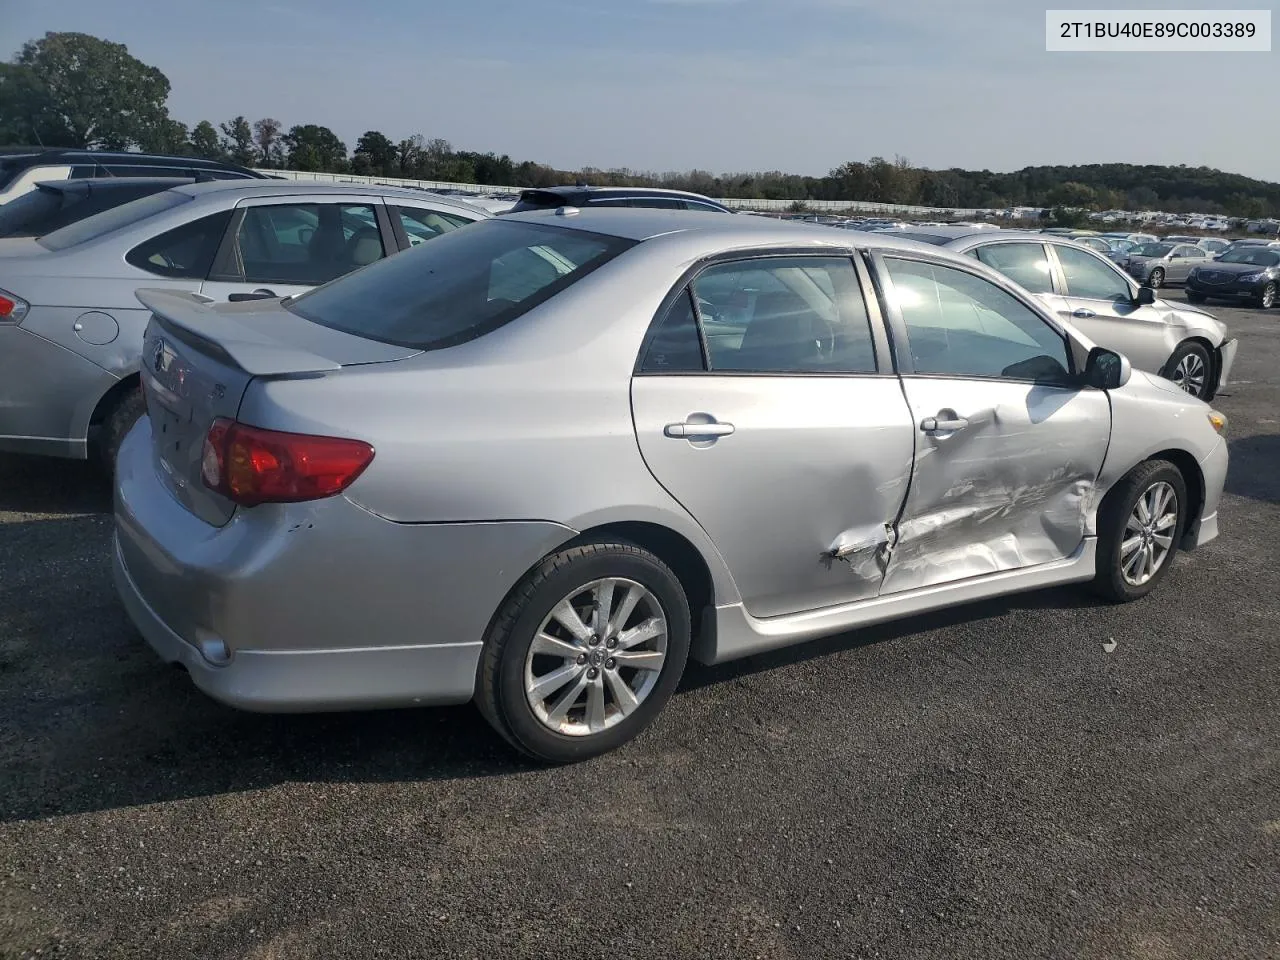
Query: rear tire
517, 690
1156, 280
1267, 296
1193, 297
1191, 368
1123, 533
124, 413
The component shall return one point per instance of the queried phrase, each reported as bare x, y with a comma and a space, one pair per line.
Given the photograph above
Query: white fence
816, 206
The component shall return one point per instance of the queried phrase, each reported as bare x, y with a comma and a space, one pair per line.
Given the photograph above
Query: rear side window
185, 252
421, 224
1024, 263
460, 286
116, 218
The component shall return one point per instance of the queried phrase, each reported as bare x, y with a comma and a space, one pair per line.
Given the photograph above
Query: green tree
237, 142
167, 137
315, 147
375, 151
71, 89
266, 134
205, 143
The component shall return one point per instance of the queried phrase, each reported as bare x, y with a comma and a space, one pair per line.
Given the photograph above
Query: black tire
500, 693
1156, 280
1109, 581
1193, 297
1267, 296
1187, 354
119, 420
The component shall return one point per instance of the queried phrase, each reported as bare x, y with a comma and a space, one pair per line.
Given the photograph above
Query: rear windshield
460, 285
924, 237
540, 200
21, 216
105, 222
11, 166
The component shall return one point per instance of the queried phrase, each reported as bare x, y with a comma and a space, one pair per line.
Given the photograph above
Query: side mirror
1106, 370
1146, 296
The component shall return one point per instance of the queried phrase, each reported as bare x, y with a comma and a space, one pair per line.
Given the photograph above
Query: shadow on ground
52, 485
1255, 467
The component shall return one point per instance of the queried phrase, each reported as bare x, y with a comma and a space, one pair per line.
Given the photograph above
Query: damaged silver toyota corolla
544, 459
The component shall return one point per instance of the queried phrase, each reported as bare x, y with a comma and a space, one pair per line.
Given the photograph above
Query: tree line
76, 90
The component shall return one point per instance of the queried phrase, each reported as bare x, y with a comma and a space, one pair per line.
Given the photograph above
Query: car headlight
1253, 277
1217, 420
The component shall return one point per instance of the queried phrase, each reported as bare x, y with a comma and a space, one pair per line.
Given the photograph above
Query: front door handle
698, 431
1083, 314
945, 425
262, 293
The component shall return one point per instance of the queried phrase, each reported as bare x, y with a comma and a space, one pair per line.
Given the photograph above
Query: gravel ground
988, 783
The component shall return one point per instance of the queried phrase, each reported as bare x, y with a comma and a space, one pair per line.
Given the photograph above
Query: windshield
1152, 250
459, 286
100, 224
20, 215
1258, 256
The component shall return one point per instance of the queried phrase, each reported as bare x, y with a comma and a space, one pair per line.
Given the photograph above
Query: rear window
22, 216
105, 222
460, 285
541, 200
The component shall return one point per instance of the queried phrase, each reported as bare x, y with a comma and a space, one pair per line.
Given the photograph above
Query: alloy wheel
1269, 294
1156, 280
1190, 374
1148, 534
596, 657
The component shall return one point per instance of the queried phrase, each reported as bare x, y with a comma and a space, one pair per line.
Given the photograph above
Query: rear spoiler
191, 318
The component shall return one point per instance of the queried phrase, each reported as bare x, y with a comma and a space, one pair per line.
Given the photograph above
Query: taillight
251, 465
12, 309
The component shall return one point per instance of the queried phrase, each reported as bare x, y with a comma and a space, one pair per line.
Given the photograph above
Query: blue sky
724, 85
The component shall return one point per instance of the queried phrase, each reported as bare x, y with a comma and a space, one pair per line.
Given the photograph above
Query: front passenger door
278, 249
1008, 446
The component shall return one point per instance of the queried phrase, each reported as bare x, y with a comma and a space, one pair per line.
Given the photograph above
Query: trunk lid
199, 359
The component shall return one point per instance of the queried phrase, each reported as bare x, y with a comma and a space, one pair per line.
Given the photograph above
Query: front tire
1156, 280
1139, 527
1267, 297
1191, 368
563, 681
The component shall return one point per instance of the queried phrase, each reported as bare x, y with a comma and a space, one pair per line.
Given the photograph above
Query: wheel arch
1215, 360
1187, 465
107, 402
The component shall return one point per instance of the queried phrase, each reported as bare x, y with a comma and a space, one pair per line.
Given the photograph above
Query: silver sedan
71, 328
1186, 344
544, 459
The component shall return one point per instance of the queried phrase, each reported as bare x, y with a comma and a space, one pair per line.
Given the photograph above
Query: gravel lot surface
987, 783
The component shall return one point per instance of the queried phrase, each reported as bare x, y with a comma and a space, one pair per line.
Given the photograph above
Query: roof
35, 156
633, 223
288, 188
640, 191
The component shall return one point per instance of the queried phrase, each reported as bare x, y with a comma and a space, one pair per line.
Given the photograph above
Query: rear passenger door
278, 247
765, 403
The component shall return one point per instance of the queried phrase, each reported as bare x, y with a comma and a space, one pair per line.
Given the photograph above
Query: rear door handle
1083, 314
698, 431
934, 425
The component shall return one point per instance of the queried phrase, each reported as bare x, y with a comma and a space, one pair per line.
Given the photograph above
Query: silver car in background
1162, 264
71, 327
1183, 343
543, 460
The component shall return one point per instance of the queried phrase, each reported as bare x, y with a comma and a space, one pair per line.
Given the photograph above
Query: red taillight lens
251, 465
12, 309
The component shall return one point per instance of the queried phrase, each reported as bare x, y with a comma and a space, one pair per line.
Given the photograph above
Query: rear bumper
48, 395
313, 606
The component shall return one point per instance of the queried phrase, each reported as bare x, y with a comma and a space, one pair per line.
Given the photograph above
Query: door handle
698, 431
262, 293
945, 425
1083, 314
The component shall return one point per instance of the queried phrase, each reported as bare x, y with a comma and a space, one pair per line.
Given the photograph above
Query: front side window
303, 243
1089, 277
785, 315
461, 285
185, 252
1026, 264
961, 325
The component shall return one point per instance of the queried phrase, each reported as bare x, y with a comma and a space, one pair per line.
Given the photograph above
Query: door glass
1088, 276
962, 325
421, 224
785, 315
185, 252
305, 243
676, 346
1023, 263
